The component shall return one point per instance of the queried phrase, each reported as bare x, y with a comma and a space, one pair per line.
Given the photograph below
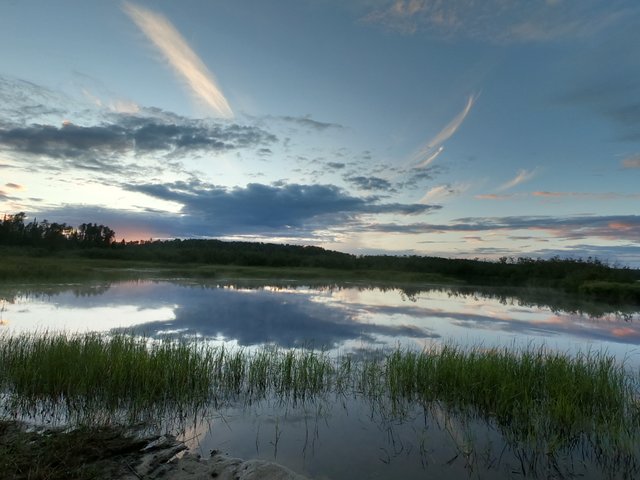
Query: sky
452, 128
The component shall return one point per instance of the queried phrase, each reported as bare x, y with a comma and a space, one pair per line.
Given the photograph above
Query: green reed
528, 393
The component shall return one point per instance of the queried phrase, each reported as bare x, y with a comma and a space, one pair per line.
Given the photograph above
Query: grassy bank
588, 278
30, 269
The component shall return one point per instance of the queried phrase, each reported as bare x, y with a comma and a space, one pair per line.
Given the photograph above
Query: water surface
331, 436
344, 319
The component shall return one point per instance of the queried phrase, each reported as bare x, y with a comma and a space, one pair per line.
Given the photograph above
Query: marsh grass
533, 396
92, 375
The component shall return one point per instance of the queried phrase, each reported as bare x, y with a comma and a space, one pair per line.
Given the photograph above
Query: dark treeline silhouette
52, 235
590, 276
569, 274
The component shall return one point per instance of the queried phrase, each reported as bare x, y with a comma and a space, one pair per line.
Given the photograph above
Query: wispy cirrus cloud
434, 147
497, 21
549, 195
442, 191
607, 227
588, 195
522, 177
180, 56
495, 196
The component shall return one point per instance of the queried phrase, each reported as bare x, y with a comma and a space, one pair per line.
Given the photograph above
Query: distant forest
14, 231
91, 240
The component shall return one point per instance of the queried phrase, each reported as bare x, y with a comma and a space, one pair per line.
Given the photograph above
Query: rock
224, 467
160, 460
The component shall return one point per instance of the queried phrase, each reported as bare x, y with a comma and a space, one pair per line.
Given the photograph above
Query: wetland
328, 377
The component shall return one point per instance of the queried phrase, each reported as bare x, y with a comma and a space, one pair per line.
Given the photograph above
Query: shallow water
332, 437
342, 439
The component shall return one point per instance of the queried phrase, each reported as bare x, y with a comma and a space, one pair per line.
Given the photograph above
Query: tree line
97, 241
52, 235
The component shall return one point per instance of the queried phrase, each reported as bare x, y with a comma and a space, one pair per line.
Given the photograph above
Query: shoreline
114, 453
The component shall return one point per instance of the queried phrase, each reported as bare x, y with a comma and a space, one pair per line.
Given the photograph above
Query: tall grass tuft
531, 394
95, 373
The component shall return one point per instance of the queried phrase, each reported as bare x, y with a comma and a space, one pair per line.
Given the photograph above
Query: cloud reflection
316, 317
254, 317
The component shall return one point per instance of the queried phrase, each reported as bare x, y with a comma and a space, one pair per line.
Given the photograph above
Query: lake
331, 436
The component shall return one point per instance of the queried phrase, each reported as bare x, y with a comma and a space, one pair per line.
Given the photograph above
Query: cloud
495, 196
284, 209
180, 56
260, 316
336, 165
416, 177
611, 227
429, 152
453, 126
557, 195
497, 21
522, 177
102, 146
23, 102
14, 186
307, 122
588, 195
548, 194
442, 191
369, 183
631, 162
429, 157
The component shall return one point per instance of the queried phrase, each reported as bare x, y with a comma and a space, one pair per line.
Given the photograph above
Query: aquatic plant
533, 396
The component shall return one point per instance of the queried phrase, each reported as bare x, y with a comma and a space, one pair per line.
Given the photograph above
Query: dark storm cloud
258, 206
289, 210
369, 183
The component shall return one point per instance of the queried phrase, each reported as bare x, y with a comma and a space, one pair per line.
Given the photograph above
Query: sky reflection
347, 319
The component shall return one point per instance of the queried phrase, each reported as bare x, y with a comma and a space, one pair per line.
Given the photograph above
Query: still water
344, 319
333, 437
